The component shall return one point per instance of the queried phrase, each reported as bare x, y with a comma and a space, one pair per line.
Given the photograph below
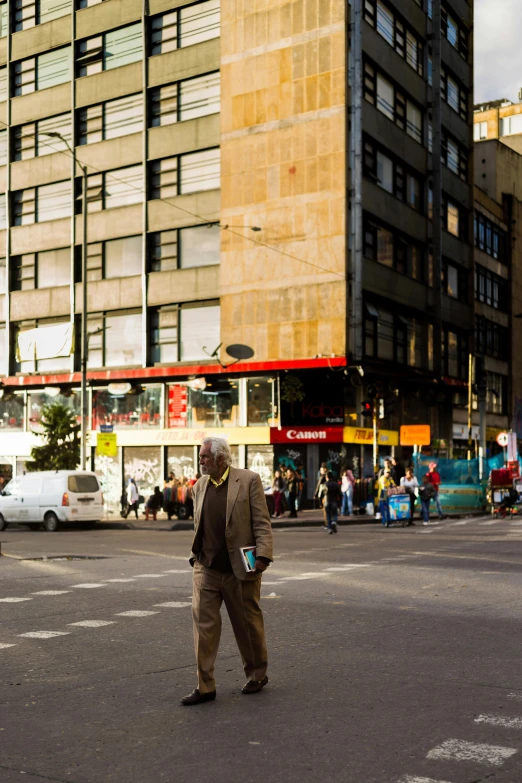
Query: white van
51, 497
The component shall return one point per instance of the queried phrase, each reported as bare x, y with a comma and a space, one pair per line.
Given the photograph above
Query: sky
498, 53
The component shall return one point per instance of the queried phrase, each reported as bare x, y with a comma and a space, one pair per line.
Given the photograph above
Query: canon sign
306, 434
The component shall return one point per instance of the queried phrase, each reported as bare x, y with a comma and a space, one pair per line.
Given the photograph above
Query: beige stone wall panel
107, 295
50, 235
40, 171
188, 210
112, 154
107, 16
184, 137
43, 103
111, 224
183, 285
105, 86
41, 38
184, 63
41, 303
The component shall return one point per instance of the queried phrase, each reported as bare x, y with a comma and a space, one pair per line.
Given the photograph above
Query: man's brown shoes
198, 698
254, 686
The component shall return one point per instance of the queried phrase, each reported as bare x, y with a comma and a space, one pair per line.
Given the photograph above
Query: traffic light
366, 409
382, 414
388, 406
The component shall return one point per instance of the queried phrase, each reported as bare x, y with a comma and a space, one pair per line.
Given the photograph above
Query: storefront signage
415, 435
460, 432
364, 435
177, 411
311, 399
306, 435
107, 444
503, 439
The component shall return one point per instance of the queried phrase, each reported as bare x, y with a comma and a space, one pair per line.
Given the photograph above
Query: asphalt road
394, 658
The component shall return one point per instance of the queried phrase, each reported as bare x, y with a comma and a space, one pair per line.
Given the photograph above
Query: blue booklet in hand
248, 554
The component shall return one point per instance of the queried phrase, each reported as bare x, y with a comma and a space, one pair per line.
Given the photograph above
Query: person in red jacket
434, 478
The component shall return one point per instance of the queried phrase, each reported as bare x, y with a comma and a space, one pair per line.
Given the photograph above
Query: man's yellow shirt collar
222, 479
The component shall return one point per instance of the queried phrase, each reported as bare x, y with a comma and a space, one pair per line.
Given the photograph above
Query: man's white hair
219, 448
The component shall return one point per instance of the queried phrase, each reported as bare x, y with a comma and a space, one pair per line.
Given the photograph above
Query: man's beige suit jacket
248, 520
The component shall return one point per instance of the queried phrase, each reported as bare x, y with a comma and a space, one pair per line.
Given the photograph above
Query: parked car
51, 497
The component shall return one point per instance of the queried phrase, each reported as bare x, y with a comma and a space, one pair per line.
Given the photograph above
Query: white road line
89, 585
179, 571
413, 779
298, 578
516, 696
150, 576
488, 524
135, 613
52, 592
3, 645
458, 524
93, 623
460, 750
120, 580
13, 600
263, 583
348, 567
44, 634
497, 720
175, 604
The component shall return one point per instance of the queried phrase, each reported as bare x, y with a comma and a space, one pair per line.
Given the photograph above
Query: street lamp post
84, 346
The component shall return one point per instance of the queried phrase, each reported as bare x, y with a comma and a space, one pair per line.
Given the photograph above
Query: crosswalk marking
135, 613
498, 720
414, 779
461, 750
150, 576
120, 580
88, 585
93, 623
14, 600
3, 645
52, 592
179, 571
175, 604
516, 696
43, 634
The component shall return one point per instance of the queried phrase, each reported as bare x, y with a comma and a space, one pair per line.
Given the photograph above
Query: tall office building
216, 138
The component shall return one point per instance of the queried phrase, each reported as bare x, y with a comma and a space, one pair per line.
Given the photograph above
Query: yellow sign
415, 435
365, 435
107, 444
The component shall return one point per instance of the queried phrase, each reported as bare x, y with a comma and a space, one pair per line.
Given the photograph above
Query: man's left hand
260, 566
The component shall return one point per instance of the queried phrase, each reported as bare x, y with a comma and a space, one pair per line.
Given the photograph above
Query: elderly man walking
230, 513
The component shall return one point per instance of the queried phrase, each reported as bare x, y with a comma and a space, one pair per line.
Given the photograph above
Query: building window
109, 50
164, 328
496, 396
110, 120
454, 156
392, 249
34, 349
453, 218
200, 328
45, 70
3, 148
28, 13
110, 189
88, 3
33, 140
490, 238
454, 281
3, 84
454, 355
454, 94
185, 174
394, 32
480, 130
491, 339
46, 202
110, 259
509, 126
139, 411
455, 32
261, 401
3, 211
185, 100
394, 338
184, 27
491, 289
49, 269
115, 340
393, 103
4, 19
184, 248
392, 175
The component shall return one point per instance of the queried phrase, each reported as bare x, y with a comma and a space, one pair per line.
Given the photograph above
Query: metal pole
470, 404
83, 454
482, 414
375, 440
356, 227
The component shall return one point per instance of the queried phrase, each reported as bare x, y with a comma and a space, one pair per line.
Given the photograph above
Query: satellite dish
239, 352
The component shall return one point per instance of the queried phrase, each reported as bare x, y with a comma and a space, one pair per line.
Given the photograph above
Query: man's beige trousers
241, 597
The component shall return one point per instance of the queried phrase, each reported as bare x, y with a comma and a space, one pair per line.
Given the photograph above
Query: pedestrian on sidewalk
291, 492
320, 490
230, 513
383, 485
426, 492
347, 488
435, 480
388, 466
133, 498
278, 489
154, 503
332, 498
411, 485
398, 469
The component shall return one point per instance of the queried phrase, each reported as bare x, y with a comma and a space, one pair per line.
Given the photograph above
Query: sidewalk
308, 518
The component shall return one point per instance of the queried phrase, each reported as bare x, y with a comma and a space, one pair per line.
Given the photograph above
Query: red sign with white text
306, 435
177, 406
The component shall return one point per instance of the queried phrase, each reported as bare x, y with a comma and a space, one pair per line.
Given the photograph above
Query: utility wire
176, 206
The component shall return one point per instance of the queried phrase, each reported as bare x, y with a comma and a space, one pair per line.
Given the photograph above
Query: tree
291, 391
61, 436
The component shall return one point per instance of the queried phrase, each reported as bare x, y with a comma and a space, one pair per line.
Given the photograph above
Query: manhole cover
68, 557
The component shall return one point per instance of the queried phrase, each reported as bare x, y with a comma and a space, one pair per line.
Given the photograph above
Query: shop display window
12, 413
262, 401
36, 402
140, 411
217, 405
